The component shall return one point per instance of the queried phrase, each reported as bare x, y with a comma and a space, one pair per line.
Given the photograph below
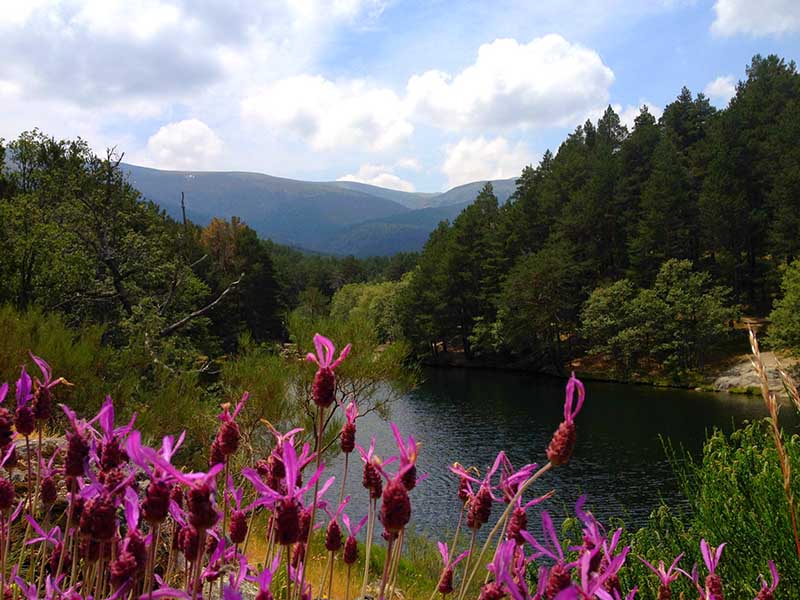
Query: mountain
503, 188
407, 199
337, 217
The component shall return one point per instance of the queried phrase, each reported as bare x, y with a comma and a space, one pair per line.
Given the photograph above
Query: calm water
468, 416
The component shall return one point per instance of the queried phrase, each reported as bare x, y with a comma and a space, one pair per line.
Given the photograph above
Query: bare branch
198, 313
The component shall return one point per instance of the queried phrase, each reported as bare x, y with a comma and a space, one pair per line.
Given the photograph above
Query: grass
417, 574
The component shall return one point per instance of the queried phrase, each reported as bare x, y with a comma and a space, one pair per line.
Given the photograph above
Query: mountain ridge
335, 217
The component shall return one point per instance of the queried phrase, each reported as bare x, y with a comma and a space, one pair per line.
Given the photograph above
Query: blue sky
414, 95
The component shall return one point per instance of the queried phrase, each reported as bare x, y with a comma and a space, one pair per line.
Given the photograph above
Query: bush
734, 494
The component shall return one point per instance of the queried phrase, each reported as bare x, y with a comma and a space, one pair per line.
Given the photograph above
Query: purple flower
324, 387
766, 592
43, 395
480, 503
408, 457
562, 444
711, 557
665, 576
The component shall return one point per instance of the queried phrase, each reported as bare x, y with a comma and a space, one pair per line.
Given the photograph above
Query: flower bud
492, 591
202, 514
112, 455
714, 587
563, 443
7, 494
409, 478
372, 481
228, 437
333, 537
42, 404
517, 524
287, 522
479, 509
395, 507
77, 452
48, 492
238, 527
24, 421
324, 388
558, 579
445, 585
6, 427
189, 541
155, 506
123, 569
347, 441
350, 555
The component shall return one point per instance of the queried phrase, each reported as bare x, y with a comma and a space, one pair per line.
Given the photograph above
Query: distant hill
339, 217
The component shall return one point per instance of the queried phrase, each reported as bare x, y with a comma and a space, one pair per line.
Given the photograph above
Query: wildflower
350, 555
264, 579
43, 397
24, 421
766, 592
77, 445
333, 535
324, 387
408, 457
665, 576
561, 446
238, 526
395, 505
7, 490
479, 508
6, 422
558, 577
287, 504
445, 584
371, 479
711, 557
228, 435
518, 522
347, 439
112, 453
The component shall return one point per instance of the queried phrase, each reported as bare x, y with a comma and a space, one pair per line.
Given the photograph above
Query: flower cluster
107, 515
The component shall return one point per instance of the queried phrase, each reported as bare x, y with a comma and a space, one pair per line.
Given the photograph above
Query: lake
619, 461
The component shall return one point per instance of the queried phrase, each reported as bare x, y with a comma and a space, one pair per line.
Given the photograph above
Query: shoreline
737, 378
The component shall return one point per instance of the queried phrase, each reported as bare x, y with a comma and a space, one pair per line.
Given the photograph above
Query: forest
641, 245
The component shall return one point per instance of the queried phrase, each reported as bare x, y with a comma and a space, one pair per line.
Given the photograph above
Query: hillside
338, 217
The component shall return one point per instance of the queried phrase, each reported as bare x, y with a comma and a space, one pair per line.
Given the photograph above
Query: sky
411, 95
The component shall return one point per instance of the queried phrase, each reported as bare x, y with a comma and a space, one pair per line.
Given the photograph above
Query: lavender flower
445, 584
324, 387
561, 446
711, 557
665, 576
766, 592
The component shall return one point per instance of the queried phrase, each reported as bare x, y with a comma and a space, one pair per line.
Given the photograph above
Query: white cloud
479, 159
628, 114
331, 115
184, 145
409, 163
546, 82
722, 89
766, 17
381, 176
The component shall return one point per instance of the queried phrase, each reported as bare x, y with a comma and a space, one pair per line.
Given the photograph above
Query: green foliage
375, 303
784, 332
735, 495
675, 323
